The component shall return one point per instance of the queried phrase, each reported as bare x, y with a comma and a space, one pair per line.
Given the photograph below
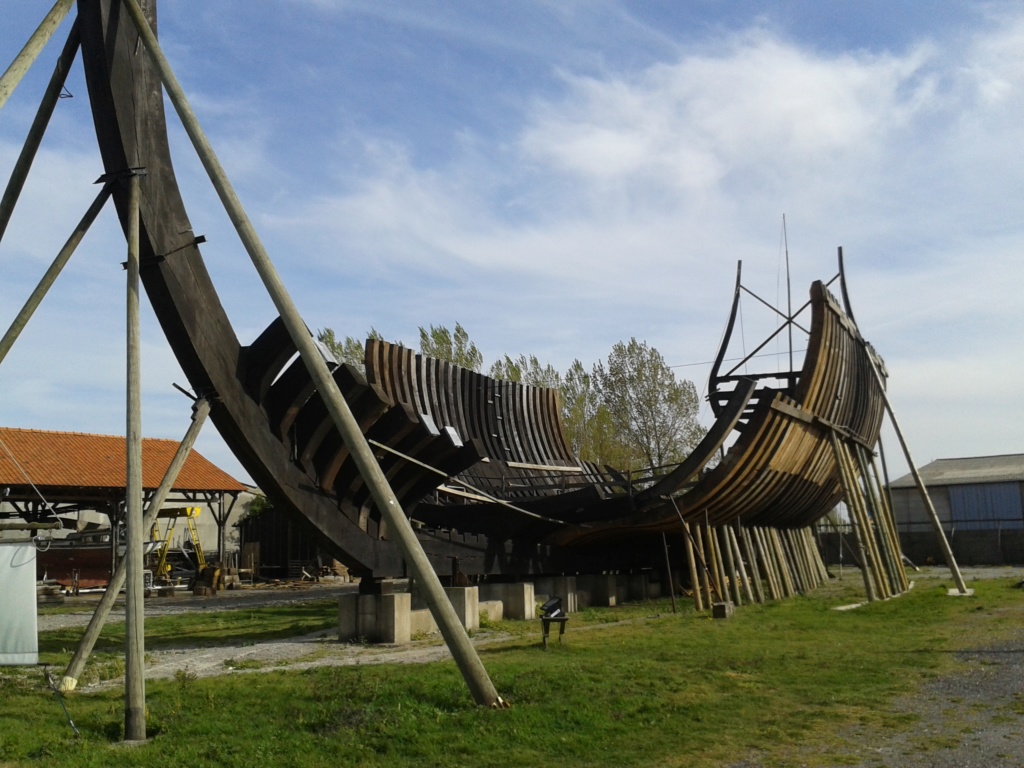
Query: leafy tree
526, 370
580, 404
440, 343
653, 414
351, 350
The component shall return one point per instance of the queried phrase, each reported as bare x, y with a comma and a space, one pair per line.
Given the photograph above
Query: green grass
202, 629
632, 686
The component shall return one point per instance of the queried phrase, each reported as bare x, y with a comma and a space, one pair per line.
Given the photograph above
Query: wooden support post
730, 562
770, 559
135, 638
31, 50
789, 588
872, 538
815, 556
850, 492
796, 572
890, 522
454, 634
35, 133
751, 553
200, 410
744, 577
48, 279
695, 586
668, 571
888, 549
767, 563
715, 561
799, 543
933, 516
705, 575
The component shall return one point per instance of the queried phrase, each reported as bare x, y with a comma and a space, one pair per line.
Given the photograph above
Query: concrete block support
602, 589
377, 618
558, 586
517, 599
466, 602
722, 610
422, 623
492, 609
636, 587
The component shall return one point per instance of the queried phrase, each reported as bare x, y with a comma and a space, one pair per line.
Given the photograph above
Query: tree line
628, 411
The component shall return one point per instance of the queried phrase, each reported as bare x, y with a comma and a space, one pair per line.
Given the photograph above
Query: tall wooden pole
767, 566
30, 52
691, 557
789, 588
48, 279
698, 602
933, 516
751, 553
890, 521
135, 640
730, 564
454, 633
888, 549
68, 683
705, 574
35, 133
668, 570
744, 578
850, 491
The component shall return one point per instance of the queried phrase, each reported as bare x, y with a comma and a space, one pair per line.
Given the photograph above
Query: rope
479, 491
46, 504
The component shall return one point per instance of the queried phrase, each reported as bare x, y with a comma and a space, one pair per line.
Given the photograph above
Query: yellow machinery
172, 515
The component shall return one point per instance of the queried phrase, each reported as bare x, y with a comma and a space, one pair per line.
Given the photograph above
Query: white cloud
613, 203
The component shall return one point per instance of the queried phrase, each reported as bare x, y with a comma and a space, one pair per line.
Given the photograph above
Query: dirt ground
973, 718
317, 649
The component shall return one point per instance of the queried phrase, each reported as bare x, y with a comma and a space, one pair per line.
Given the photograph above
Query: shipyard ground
973, 717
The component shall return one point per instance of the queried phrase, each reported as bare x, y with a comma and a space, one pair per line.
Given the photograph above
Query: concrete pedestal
558, 586
376, 618
517, 599
601, 589
722, 610
466, 602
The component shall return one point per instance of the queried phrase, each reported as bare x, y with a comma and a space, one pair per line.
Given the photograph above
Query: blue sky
557, 177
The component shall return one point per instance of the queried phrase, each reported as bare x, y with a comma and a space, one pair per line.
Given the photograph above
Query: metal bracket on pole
48, 279
30, 52
38, 129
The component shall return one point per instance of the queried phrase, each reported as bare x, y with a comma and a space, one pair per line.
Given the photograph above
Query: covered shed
80, 478
980, 503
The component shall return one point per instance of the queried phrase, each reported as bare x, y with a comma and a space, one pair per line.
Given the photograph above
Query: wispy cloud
558, 177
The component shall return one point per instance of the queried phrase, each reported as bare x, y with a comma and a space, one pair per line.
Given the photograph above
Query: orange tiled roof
73, 459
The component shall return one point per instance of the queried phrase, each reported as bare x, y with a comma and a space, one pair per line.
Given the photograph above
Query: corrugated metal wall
986, 506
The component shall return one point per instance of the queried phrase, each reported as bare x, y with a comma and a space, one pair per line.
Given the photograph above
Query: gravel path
971, 719
314, 650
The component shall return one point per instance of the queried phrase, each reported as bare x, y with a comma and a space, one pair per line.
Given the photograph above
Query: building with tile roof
80, 478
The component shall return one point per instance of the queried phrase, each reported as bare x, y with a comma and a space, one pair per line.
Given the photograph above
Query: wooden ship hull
482, 466
82, 561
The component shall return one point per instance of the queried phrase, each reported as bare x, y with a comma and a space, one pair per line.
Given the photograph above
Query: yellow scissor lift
172, 516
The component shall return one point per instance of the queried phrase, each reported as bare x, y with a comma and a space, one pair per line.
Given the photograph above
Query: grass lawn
629, 686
